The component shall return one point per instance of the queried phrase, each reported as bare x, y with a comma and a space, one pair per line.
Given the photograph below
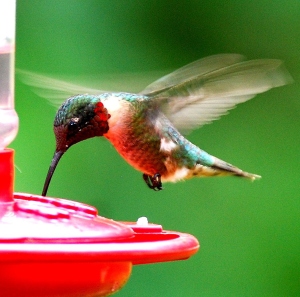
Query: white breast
116, 107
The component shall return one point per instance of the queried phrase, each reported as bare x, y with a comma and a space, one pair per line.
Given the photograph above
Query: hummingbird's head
79, 118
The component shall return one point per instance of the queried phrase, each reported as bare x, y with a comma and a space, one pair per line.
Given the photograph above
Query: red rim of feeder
86, 232
58, 247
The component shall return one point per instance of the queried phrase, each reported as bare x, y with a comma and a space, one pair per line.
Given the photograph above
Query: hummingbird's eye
73, 124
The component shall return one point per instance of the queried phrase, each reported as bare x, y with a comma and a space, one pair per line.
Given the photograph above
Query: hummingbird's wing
192, 70
202, 91
56, 91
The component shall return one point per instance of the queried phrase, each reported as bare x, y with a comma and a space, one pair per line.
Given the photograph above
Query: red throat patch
101, 112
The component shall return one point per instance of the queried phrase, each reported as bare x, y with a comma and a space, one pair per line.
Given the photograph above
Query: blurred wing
192, 70
198, 99
54, 90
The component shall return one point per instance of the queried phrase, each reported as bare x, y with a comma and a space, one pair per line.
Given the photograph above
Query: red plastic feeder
57, 247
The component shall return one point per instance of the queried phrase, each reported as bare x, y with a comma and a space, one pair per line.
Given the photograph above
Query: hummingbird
147, 129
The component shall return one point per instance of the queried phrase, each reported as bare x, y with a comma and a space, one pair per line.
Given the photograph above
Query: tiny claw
153, 182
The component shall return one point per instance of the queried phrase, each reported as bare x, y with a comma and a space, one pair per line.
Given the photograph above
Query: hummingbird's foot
153, 182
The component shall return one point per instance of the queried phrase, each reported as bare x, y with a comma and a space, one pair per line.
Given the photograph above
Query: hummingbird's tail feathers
227, 169
250, 176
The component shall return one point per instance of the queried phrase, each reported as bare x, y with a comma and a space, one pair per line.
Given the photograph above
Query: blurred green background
249, 232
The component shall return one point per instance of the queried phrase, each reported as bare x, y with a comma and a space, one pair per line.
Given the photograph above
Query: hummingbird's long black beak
54, 162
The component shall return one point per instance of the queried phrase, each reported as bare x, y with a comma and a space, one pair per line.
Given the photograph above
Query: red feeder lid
58, 247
